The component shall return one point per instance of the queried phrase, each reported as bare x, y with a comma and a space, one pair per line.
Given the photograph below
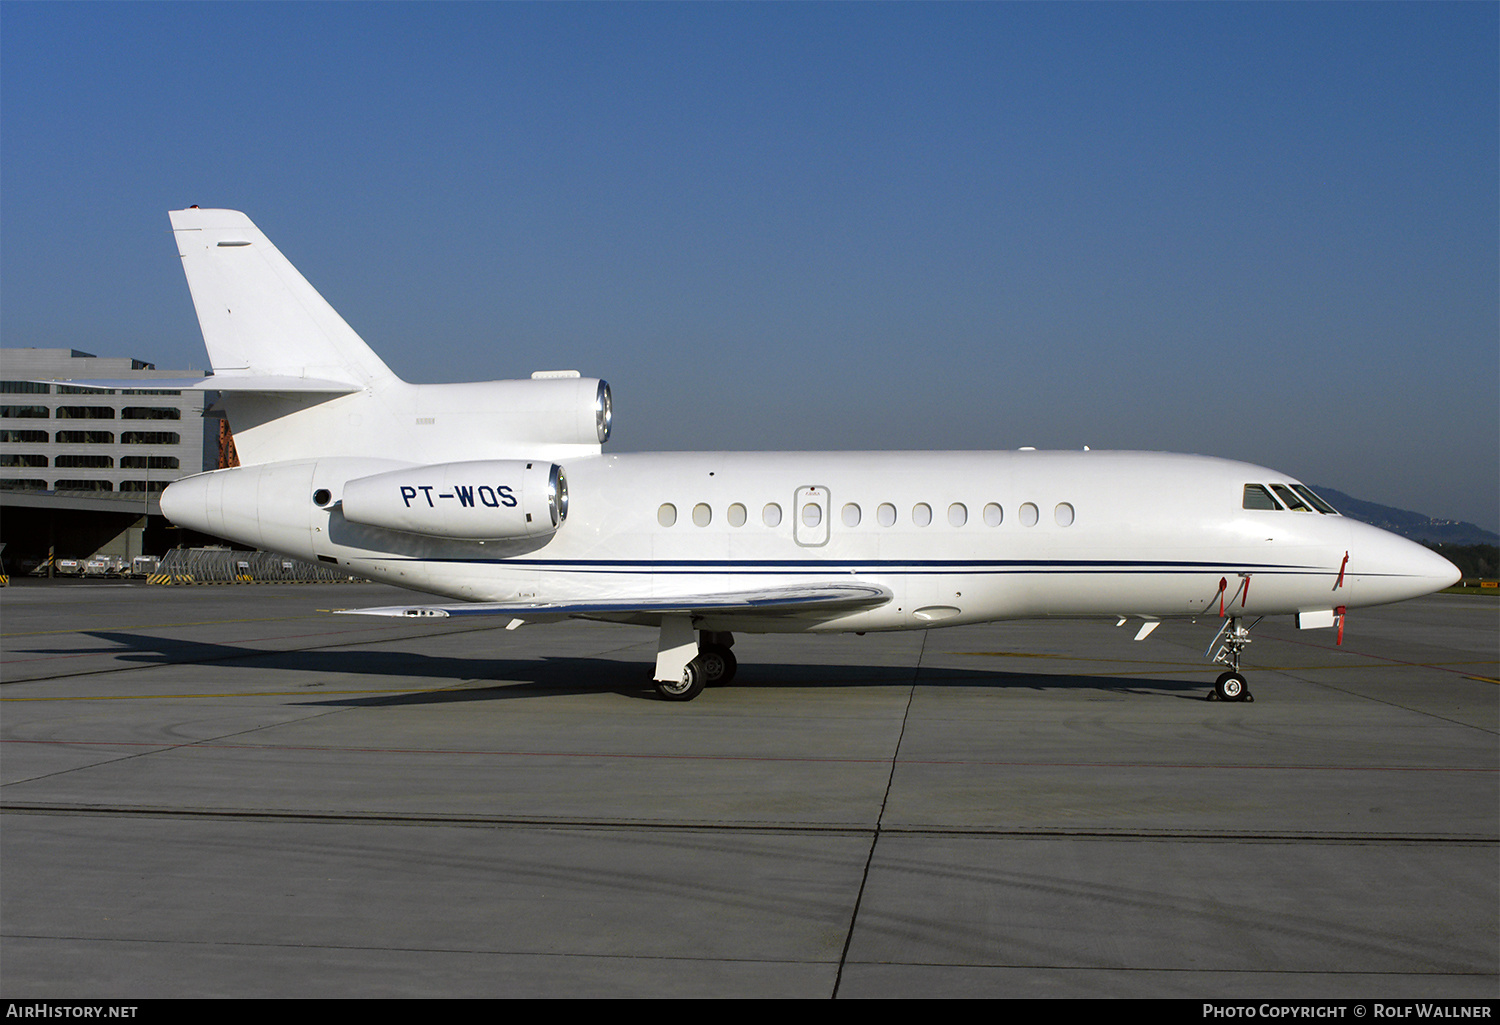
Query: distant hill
1407, 523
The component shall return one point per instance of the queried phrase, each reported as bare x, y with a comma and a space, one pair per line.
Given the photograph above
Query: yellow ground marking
305, 692
1199, 666
1070, 658
173, 626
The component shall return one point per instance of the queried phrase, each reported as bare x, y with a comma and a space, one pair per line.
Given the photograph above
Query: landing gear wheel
1231, 687
719, 664
694, 676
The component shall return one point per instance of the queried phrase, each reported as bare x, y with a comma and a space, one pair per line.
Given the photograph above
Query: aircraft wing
793, 598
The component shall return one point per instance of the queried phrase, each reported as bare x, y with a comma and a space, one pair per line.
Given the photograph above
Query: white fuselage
497, 493
1006, 535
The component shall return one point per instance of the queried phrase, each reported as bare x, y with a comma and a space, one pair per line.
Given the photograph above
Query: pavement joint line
849, 829
214, 745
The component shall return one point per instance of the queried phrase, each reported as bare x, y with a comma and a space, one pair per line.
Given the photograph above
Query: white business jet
497, 494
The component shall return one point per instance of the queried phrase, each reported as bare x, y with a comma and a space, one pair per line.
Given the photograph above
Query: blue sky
1263, 231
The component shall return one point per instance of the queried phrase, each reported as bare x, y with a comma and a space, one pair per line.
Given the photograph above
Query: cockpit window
1257, 497
1317, 503
1292, 501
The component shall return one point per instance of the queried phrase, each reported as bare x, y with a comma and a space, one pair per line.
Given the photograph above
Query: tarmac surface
224, 791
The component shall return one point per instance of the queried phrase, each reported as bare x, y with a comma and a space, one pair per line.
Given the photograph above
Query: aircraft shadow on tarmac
556, 676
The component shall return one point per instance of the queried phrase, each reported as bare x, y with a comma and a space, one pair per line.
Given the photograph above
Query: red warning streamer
1340, 613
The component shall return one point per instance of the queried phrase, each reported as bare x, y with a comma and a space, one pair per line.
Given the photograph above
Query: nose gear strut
1231, 639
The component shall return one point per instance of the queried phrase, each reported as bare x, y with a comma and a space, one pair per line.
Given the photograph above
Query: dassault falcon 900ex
497, 494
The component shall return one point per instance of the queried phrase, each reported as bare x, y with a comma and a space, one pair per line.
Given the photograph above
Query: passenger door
810, 514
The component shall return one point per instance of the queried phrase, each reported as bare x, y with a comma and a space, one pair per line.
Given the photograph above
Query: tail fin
260, 318
296, 383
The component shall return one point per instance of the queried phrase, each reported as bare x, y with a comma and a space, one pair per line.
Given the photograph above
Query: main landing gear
1232, 639
688, 660
719, 663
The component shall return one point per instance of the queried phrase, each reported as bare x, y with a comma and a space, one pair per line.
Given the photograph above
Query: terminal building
81, 468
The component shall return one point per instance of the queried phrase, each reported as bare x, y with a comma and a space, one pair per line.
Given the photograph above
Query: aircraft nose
1444, 572
1386, 567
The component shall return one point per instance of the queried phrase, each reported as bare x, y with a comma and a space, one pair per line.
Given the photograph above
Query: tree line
1481, 561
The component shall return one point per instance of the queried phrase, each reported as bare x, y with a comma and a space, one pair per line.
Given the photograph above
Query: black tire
719, 664
1231, 687
689, 687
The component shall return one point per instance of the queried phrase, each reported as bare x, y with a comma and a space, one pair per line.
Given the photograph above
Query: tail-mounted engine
479, 501
557, 408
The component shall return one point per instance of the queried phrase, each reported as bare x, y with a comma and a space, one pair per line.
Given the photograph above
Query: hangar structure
81, 468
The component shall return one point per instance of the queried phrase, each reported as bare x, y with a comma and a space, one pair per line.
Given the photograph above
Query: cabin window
993, 515
1290, 500
667, 514
921, 514
1317, 503
958, 515
1257, 497
885, 515
736, 514
812, 514
702, 515
1063, 514
1029, 515
851, 515
771, 515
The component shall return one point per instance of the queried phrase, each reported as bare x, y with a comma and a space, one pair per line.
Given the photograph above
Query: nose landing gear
1231, 639
1230, 687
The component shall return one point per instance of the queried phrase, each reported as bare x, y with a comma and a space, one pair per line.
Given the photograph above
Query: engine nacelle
561, 410
487, 500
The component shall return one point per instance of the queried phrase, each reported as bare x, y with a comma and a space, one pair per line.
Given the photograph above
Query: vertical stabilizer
259, 316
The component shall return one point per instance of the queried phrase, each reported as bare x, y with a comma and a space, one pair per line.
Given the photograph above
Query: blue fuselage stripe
802, 568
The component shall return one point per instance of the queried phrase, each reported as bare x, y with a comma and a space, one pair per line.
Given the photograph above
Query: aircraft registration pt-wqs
497, 494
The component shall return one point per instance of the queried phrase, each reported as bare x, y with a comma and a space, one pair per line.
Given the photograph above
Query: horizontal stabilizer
767, 601
220, 383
